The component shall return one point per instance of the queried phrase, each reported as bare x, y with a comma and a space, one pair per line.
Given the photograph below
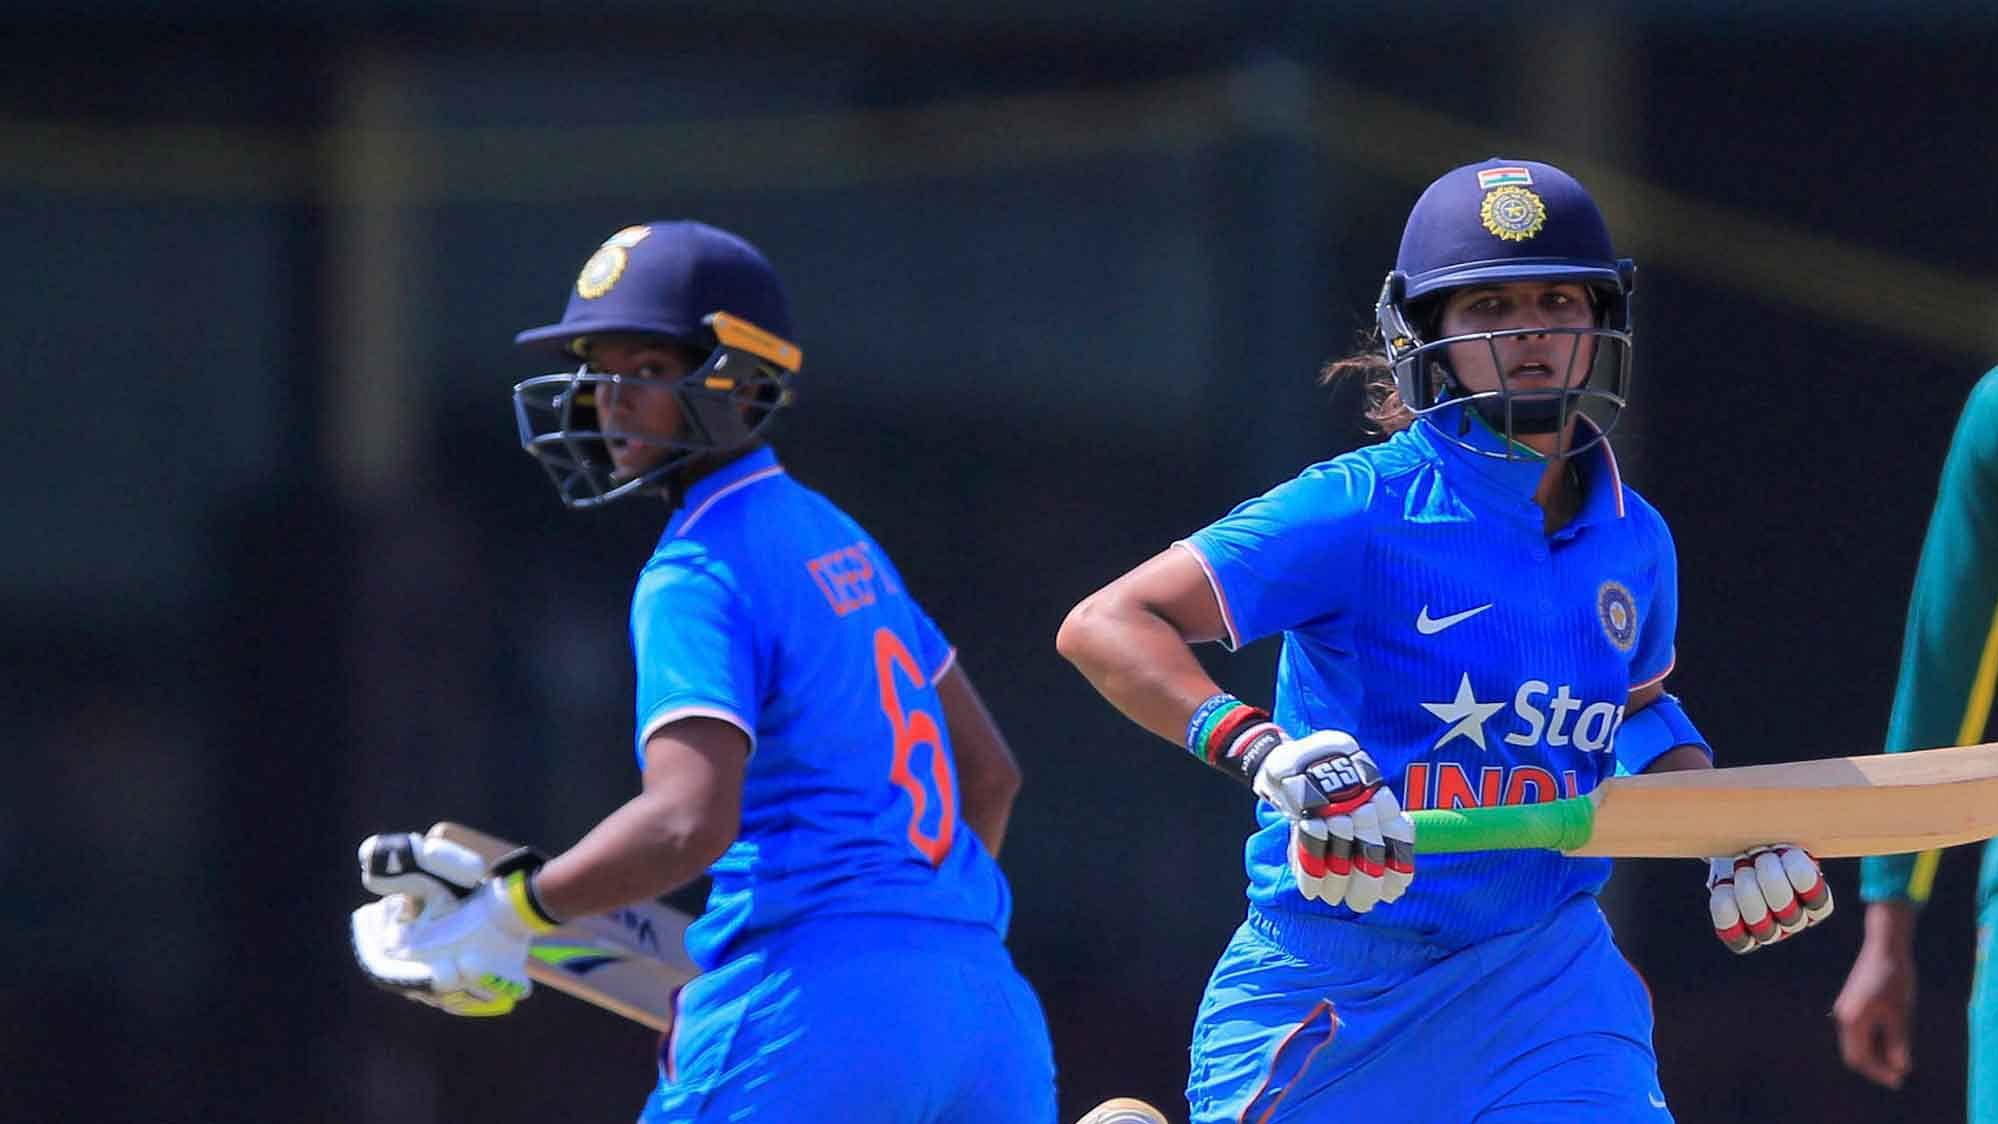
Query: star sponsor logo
1554, 716
1465, 714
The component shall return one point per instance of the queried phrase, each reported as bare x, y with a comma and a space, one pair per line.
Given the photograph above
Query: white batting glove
1350, 843
1765, 895
443, 934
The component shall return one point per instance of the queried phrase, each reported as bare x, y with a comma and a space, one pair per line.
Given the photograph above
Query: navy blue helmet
703, 288
1496, 222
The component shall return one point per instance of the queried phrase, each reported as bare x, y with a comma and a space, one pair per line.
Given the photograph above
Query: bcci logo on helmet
1513, 213
605, 266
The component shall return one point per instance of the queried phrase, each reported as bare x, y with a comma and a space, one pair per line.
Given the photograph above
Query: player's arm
1678, 758
686, 815
1131, 640
1350, 841
447, 934
988, 776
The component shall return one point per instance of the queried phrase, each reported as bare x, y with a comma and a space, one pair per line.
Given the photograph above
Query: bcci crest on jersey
1617, 611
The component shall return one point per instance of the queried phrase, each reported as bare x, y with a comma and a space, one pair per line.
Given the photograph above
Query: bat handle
1558, 825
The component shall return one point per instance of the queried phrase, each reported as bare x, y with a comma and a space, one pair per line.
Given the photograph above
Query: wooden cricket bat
630, 961
1880, 804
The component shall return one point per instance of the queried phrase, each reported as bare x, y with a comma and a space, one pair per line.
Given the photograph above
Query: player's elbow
706, 835
710, 848
688, 828
1081, 632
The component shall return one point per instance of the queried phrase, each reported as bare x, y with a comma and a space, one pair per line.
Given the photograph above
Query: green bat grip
1560, 825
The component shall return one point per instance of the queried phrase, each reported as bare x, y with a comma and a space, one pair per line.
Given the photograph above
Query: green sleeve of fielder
1949, 651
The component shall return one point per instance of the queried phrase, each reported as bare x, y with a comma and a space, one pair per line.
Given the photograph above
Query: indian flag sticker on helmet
1617, 611
1513, 213
1504, 177
628, 237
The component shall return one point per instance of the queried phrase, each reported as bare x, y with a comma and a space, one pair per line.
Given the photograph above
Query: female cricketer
804, 732
1474, 611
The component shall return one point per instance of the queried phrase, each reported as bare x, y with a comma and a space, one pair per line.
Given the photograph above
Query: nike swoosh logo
1656, 1100
1430, 626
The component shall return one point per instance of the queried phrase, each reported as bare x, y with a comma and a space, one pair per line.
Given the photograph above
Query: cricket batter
1476, 611
804, 732
1949, 662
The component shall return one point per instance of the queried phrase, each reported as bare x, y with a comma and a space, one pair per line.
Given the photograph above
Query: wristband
1649, 734
518, 889
1221, 738
1202, 715
1244, 756
1232, 736
516, 870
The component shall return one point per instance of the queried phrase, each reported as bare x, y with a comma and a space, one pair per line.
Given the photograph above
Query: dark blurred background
278, 577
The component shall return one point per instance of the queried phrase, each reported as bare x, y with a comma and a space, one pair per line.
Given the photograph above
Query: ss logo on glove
1343, 782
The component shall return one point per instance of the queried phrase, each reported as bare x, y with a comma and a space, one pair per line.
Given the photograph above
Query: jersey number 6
915, 728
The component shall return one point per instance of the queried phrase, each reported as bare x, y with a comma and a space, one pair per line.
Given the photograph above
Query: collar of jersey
1509, 484
709, 488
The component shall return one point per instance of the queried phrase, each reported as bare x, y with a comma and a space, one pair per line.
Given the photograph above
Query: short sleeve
1658, 629
930, 647
1290, 555
694, 645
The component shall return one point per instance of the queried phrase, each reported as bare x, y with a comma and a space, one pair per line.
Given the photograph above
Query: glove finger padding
464, 984
1350, 843
443, 934
1774, 883
377, 930
1727, 917
1311, 860
468, 1004
1765, 895
1363, 890
437, 873
1809, 879
1399, 833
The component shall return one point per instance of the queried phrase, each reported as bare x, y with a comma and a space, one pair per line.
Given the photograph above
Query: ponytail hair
1367, 376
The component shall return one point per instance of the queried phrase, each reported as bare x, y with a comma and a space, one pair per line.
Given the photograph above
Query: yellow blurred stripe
1897, 296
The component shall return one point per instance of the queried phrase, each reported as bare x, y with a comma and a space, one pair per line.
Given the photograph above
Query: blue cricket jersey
1479, 659
769, 608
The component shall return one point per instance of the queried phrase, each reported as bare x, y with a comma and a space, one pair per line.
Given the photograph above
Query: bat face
1881, 804
631, 961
